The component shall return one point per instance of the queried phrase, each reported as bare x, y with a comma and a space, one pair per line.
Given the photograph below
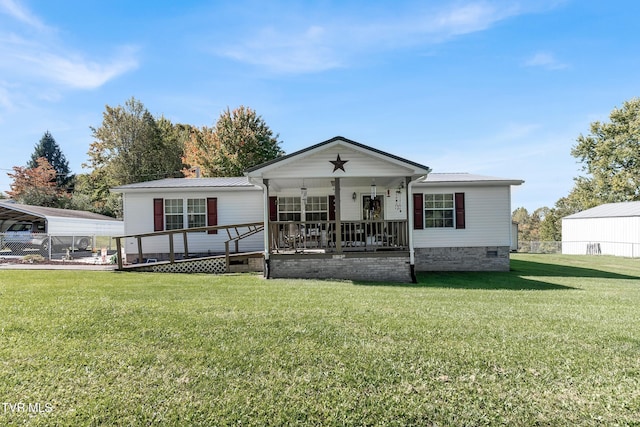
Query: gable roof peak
337, 139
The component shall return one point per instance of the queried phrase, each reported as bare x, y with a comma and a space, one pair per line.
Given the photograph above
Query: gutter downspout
264, 184
410, 210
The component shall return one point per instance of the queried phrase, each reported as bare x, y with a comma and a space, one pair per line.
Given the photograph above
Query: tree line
131, 145
610, 158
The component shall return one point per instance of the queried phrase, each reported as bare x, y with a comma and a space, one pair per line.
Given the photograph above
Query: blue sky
499, 88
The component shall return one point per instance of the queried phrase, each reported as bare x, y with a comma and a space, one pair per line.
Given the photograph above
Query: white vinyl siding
234, 207
318, 165
488, 219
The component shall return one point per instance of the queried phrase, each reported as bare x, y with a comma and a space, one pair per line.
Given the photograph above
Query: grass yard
556, 341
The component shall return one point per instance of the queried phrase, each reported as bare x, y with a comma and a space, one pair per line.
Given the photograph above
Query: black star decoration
338, 163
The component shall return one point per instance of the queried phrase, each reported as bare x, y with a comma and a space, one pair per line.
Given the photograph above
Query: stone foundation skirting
361, 266
483, 258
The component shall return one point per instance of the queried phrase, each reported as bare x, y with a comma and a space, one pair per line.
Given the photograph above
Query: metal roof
239, 181
19, 212
609, 210
466, 178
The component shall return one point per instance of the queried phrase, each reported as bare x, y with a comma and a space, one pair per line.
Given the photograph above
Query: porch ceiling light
303, 194
373, 190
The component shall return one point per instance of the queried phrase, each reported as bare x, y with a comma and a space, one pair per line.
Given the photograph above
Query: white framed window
178, 212
173, 214
289, 209
317, 208
439, 210
196, 213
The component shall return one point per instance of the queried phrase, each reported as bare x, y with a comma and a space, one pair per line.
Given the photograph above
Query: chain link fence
623, 249
99, 249
540, 247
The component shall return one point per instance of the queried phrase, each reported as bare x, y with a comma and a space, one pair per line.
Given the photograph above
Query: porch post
338, 218
410, 208
267, 227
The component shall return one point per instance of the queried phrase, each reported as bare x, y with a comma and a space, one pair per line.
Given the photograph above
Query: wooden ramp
226, 262
215, 264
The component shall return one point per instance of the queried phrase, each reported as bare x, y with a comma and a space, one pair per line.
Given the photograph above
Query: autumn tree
240, 139
36, 185
50, 150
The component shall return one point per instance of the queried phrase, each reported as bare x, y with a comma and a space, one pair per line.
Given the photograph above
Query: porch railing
235, 233
300, 236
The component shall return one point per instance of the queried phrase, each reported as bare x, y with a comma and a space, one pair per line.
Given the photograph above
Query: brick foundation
375, 267
484, 258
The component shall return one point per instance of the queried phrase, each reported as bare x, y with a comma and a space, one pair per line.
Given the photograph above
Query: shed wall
611, 236
58, 226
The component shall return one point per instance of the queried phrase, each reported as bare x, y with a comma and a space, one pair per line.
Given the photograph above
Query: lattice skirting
213, 265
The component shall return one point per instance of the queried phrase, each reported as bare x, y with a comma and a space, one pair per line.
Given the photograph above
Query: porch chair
292, 236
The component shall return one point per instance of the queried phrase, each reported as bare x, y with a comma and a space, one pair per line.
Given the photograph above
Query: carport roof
19, 212
609, 210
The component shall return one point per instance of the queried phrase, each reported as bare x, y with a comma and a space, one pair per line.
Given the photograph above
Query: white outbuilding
609, 229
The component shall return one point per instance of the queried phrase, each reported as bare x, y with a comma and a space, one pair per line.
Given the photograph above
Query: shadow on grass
524, 275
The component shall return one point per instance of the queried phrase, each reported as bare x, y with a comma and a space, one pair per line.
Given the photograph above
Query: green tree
131, 146
550, 227
240, 139
610, 154
50, 150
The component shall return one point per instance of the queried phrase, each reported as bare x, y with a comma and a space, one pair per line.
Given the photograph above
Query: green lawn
554, 342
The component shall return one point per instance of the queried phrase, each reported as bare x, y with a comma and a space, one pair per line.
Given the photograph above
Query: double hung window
438, 210
175, 214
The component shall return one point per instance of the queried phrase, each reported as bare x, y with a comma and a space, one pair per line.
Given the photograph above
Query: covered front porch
338, 209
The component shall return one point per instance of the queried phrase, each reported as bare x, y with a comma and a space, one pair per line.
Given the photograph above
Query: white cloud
545, 60
33, 58
280, 52
309, 47
18, 12
74, 71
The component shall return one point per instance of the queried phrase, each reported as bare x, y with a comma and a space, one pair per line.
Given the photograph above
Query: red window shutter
332, 208
418, 211
212, 213
273, 208
158, 214
459, 199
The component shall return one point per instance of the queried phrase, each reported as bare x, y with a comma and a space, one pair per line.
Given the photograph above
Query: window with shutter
460, 223
418, 211
273, 208
158, 214
212, 213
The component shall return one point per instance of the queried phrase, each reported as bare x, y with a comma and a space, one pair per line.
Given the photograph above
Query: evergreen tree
50, 150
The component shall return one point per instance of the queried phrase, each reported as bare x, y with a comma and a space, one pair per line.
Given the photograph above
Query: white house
337, 209
610, 229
